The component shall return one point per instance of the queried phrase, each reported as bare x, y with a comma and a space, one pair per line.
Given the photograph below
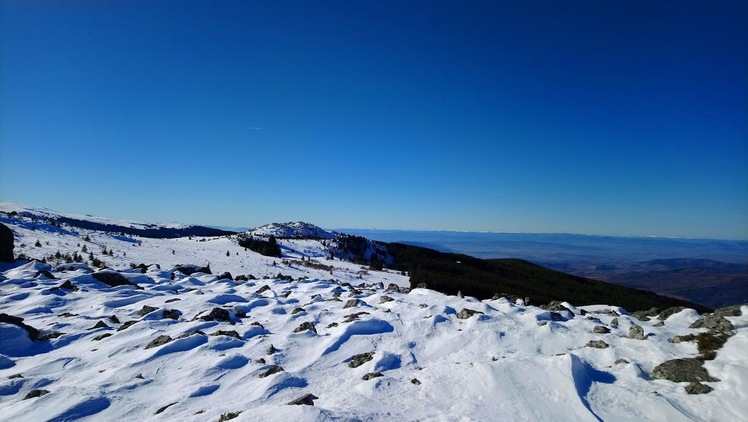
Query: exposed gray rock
102, 337
415, 381
422, 286
636, 332
351, 303
597, 344
354, 316
698, 388
297, 311
113, 319
67, 285
556, 306
158, 341
36, 393
360, 359
46, 274
228, 416
614, 321
667, 313
681, 339
645, 315
620, 361
161, 409
371, 375
191, 269
32, 332
217, 314
100, 324
385, 299
659, 324
392, 287
271, 350
467, 313
126, 325
6, 244
682, 370
273, 369
601, 329
263, 289
716, 323
112, 278
305, 326
225, 276
231, 333
306, 399
728, 311
145, 310
171, 314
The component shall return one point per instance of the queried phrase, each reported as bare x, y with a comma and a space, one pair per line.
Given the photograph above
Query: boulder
351, 303
191, 269
145, 310
273, 369
158, 341
112, 278
636, 332
467, 313
271, 350
6, 244
597, 344
667, 313
305, 326
225, 276
32, 332
371, 375
385, 299
715, 323
601, 329
306, 399
217, 314
698, 388
729, 311
171, 314
360, 359
227, 333
45, 274
682, 370
36, 393
646, 315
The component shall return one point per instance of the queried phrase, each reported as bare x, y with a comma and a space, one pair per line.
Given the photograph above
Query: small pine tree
38, 244
84, 249
228, 253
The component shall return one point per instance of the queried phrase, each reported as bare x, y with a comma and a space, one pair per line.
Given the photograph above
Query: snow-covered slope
298, 230
202, 347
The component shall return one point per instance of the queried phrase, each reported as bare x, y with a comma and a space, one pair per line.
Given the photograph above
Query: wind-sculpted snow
197, 347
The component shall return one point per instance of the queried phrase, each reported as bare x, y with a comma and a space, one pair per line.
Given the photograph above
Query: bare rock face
6, 244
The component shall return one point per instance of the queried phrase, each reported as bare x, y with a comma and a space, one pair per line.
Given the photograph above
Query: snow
509, 363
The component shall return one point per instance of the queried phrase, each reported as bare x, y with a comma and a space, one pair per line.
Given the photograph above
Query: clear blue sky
595, 117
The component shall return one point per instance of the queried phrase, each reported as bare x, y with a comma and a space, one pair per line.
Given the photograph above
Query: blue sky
614, 118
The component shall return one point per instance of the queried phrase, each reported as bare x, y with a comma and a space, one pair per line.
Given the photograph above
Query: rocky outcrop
597, 344
729, 311
646, 315
273, 369
158, 341
217, 314
304, 327
467, 313
636, 332
601, 329
112, 278
6, 244
698, 388
715, 323
306, 399
360, 359
667, 313
32, 332
682, 370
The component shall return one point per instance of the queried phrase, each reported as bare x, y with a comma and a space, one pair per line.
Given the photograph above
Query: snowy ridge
297, 230
261, 332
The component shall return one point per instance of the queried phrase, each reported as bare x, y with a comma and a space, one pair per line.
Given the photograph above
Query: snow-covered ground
510, 362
